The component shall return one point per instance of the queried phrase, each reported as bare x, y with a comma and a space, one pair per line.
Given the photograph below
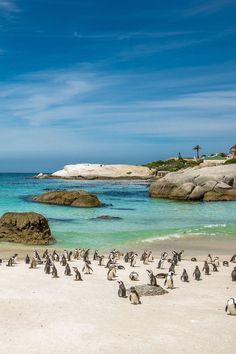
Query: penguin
134, 296
231, 306
143, 256
150, 257
145, 259
197, 273
175, 259
100, 260
215, 269
164, 255
209, 258
67, 270
184, 276
134, 276
95, 255
87, 269
47, 268
217, 262
63, 260
111, 274
133, 260
121, 267
77, 274
54, 271
153, 280
160, 264
122, 289
27, 259
193, 259
86, 255
45, 253
55, 256
178, 255
9, 263
225, 263
172, 268
0, 261
14, 258
126, 257
233, 274
33, 263
206, 268
69, 256
110, 263
233, 259
169, 283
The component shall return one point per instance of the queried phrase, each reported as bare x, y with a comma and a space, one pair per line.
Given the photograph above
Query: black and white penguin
77, 274
111, 274
197, 273
193, 259
47, 268
160, 264
67, 270
63, 260
233, 259
169, 283
27, 259
45, 253
214, 267
33, 264
143, 256
217, 262
121, 267
184, 277
150, 257
172, 268
54, 271
133, 259
178, 255
9, 263
86, 255
175, 259
122, 289
87, 269
126, 257
153, 280
134, 296
95, 255
134, 276
231, 306
233, 274
14, 258
206, 268
164, 256
225, 263
209, 258
100, 260
76, 254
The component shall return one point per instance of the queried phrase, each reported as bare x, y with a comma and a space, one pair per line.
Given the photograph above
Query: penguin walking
122, 289
169, 283
33, 264
153, 280
197, 273
27, 259
206, 268
111, 274
54, 271
67, 270
77, 274
231, 306
87, 269
134, 296
134, 276
184, 277
233, 274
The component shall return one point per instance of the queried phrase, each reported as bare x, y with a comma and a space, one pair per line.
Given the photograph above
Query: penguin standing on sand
164, 255
133, 260
27, 259
217, 262
134, 296
100, 260
45, 253
197, 273
87, 269
67, 270
153, 280
206, 268
150, 257
209, 258
33, 263
184, 276
172, 268
134, 276
95, 255
231, 306
47, 268
63, 260
225, 263
122, 289
169, 283
215, 269
54, 271
233, 259
111, 274
160, 263
77, 274
233, 274
9, 263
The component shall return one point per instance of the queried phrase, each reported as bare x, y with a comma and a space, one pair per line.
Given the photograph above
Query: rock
79, 199
106, 217
149, 290
28, 228
208, 183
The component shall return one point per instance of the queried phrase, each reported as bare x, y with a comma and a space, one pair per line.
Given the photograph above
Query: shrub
229, 162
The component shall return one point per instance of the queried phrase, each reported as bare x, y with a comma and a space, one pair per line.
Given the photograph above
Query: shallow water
142, 218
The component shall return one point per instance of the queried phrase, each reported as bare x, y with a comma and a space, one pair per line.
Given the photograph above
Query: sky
126, 81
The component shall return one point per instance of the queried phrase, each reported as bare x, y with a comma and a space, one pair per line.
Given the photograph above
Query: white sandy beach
44, 315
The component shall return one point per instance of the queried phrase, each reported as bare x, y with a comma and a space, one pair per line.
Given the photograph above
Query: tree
197, 148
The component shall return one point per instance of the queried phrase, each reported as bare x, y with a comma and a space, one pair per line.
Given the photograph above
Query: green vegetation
228, 162
172, 165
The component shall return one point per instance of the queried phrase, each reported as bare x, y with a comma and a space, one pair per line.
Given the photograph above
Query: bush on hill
172, 165
229, 162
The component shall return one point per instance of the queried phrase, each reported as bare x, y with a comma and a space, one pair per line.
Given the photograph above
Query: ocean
134, 216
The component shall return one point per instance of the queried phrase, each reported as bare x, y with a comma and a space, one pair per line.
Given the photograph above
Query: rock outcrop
100, 171
149, 290
27, 228
79, 199
208, 183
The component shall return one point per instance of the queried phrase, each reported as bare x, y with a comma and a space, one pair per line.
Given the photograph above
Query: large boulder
208, 183
149, 290
79, 199
28, 228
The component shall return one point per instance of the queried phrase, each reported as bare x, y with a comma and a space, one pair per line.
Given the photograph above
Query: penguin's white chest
169, 283
231, 307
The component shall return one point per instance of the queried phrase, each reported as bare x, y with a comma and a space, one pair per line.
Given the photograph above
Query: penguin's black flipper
226, 308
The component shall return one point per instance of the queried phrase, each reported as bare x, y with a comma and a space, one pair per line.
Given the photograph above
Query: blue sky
114, 81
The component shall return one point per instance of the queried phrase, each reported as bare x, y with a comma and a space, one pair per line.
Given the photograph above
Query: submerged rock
208, 183
149, 290
79, 199
107, 217
28, 228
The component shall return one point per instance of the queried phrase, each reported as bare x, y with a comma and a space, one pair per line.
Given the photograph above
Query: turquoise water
141, 218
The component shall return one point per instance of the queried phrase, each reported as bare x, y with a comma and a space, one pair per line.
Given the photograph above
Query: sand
44, 315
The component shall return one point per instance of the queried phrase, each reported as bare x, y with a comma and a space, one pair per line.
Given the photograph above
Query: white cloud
8, 7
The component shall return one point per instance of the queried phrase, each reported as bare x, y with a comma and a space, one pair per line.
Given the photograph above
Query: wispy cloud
119, 36
8, 7
206, 7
